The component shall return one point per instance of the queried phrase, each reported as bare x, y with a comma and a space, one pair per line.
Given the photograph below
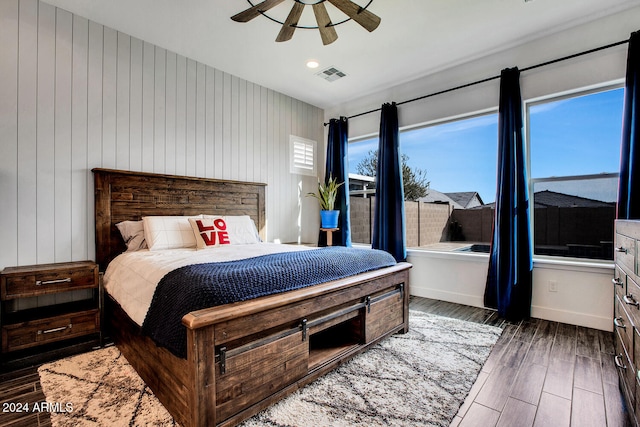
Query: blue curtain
338, 167
629, 183
388, 222
508, 287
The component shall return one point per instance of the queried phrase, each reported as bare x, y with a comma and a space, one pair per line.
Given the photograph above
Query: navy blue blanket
199, 286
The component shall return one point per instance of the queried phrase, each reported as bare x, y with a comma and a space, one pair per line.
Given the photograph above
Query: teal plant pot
329, 219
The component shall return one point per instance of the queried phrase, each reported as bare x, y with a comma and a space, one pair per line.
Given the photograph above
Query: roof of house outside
472, 200
466, 198
459, 200
547, 198
362, 178
434, 196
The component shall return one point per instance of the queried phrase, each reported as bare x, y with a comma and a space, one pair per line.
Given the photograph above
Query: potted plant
326, 195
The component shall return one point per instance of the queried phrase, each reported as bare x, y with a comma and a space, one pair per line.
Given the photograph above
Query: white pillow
169, 232
242, 230
133, 235
212, 231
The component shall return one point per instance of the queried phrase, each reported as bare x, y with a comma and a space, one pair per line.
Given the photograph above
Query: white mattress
131, 278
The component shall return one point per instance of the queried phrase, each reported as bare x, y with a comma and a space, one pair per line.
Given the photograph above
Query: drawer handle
53, 282
616, 281
618, 361
223, 360
617, 321
622, 249
49, 331
628, 299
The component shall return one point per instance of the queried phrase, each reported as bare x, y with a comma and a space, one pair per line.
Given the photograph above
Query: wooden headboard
125, 195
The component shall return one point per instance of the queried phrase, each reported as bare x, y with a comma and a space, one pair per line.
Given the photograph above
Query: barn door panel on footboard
383, 313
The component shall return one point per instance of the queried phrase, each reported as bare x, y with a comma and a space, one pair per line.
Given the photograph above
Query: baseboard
572, 318
465, 299
545, 313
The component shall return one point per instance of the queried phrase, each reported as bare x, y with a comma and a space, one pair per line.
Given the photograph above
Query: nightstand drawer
36, 332
20, 282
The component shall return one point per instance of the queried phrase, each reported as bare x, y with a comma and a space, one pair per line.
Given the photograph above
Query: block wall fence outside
425, 223
361, 210
562, 231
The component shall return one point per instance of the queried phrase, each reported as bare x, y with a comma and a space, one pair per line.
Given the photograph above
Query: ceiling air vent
331, 74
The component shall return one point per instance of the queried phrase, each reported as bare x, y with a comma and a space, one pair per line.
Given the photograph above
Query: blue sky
572, 136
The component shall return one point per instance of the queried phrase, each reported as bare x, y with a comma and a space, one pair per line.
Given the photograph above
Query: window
302, 155
575, 157
458, 161
573, 149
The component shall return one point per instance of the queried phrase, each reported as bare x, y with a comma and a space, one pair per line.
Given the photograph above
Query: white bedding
131, 278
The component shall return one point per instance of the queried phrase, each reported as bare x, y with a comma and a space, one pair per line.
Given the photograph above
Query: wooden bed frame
245, 356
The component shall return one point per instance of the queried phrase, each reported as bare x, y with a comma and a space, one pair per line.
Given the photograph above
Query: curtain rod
564, 58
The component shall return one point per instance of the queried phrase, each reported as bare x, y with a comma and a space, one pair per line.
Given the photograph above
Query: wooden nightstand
76, 315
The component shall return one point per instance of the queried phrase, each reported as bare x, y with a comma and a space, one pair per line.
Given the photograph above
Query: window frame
526, 106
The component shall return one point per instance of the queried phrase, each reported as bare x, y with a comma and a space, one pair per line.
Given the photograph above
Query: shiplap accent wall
75, 95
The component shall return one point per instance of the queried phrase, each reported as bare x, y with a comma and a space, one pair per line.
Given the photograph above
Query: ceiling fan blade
327, 32
286, 32
252, 12
366, 19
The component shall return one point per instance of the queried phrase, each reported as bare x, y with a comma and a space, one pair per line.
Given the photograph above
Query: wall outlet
553, 286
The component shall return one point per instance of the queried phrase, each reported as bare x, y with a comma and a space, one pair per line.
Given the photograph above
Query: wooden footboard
245, 356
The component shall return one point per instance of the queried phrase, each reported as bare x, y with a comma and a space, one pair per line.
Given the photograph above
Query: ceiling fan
359, 14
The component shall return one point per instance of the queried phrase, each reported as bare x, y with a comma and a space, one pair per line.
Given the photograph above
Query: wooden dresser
626, 319
28, 322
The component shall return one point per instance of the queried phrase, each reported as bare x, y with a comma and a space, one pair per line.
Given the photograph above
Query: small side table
32, 327
329, 232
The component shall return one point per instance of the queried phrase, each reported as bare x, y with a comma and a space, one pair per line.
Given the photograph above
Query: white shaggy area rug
418, 378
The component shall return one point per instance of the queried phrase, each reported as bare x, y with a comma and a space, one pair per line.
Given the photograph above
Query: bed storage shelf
337, 338
242, 357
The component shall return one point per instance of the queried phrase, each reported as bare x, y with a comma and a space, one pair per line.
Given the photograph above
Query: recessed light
312, 64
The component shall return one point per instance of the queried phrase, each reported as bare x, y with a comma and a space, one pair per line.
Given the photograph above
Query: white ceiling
414, 39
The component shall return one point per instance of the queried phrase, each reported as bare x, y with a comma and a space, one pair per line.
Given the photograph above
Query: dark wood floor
21, 387
539, 373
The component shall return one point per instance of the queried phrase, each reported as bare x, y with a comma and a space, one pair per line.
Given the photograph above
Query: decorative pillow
169, 232
133, 234
210, 232
213, 231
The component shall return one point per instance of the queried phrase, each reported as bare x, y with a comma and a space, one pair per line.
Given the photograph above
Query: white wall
75, 95
584, 295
